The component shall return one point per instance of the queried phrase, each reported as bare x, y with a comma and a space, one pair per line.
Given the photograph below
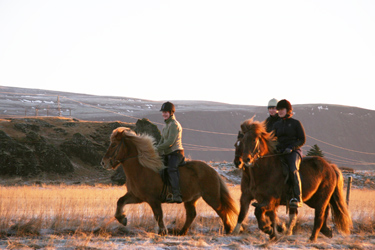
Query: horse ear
243, 128
240, 135
118, 133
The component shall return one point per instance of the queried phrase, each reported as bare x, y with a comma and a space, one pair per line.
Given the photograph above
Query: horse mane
147, 155
258, 129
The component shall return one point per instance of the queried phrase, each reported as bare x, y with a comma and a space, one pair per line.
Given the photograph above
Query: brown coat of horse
142, 164
263, 180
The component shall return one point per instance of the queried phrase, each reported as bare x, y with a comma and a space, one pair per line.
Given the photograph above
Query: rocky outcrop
32, 146
31, 156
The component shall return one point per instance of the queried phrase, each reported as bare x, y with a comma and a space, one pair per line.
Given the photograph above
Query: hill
345, 134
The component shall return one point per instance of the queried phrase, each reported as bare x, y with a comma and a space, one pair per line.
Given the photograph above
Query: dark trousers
294, 160
174, 159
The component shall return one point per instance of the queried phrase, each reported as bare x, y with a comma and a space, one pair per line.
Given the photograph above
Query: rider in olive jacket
170, 148
291, 137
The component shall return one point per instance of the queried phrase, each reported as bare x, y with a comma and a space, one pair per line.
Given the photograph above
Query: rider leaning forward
170, 148
291, 137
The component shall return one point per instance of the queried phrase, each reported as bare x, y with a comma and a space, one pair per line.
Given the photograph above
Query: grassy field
86, 212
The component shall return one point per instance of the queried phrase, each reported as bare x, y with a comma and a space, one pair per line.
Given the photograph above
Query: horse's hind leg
158, 214
327, 231
318, 222
214, 202
128, 198
190, 216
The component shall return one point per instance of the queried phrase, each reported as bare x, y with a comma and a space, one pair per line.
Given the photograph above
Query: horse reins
256, 153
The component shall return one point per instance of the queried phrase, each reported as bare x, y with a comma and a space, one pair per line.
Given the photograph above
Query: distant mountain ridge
345, 134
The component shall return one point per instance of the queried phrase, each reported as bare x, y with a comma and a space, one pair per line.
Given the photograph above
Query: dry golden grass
29, 210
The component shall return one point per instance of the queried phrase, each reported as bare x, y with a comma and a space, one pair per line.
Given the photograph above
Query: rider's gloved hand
287, 151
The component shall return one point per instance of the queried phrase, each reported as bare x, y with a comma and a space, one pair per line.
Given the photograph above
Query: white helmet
272, 103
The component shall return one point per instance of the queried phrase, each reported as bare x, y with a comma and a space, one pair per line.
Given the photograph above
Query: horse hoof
311, 240
163, 232
236, 230
123, 220
281, 228
328, 233
182, 233
288, 232
270, 232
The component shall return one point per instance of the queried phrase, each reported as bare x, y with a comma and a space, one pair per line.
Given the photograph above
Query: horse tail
228, 205
340, 212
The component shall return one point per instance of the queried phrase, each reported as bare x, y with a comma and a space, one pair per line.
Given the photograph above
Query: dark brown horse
142, 164
322, 185
246, 192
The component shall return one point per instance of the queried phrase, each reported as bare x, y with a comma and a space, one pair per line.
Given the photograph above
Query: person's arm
301, 136
170, 140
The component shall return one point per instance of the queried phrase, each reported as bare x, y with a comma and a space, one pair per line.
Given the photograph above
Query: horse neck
131, 165
266, 147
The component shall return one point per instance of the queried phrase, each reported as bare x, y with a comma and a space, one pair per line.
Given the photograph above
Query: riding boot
176, 193
296, 201
294, 161
174, 178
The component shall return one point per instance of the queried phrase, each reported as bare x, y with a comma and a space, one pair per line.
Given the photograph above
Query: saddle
167, 189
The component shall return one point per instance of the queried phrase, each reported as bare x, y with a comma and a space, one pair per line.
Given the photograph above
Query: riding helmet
272, 103
284, 104
168, 107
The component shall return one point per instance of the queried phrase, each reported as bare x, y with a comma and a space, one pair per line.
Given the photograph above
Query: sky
237, 52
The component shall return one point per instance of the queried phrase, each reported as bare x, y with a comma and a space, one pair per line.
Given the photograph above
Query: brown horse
322, 184
246, 193
142, 164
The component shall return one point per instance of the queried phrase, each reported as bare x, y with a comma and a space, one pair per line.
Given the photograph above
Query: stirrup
171, 199
294, 203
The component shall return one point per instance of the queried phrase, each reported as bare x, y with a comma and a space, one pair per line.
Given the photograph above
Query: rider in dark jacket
274, 117
291, 137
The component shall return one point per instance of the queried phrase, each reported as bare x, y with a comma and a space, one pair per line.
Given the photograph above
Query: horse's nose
247, 160
237, 163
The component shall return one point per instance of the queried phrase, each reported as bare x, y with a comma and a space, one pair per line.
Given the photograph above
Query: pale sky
238, 52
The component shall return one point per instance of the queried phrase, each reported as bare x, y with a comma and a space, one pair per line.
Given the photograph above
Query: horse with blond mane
141, 164
264, 180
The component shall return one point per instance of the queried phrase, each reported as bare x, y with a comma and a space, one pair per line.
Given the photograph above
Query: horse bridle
255, 155
237, 144
116, 152
256, 152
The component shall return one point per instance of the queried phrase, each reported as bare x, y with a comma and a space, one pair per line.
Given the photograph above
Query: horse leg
158, 214
263, 223
325, 230
275, 221
318, 221
128, 198
245, 203
214, 202
293, 212
273, 217
190, 216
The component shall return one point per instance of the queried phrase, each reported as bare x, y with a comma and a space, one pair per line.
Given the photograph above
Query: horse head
238, 150
256, 141
117, 151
